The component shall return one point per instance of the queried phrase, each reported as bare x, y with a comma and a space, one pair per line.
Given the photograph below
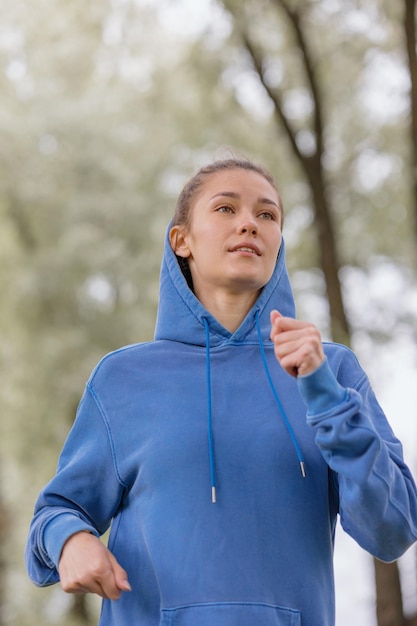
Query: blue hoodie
200, 412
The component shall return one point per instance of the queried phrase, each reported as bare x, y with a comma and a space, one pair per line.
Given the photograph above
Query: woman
222, 452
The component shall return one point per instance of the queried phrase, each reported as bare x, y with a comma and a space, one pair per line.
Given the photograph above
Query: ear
178, 241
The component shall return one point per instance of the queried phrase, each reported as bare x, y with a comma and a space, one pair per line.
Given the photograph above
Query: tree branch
295, 19
274, 94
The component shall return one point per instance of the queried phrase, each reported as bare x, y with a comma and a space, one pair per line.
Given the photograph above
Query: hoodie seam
109, 434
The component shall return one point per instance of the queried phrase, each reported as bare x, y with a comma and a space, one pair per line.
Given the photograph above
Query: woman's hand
87, 566
297, 345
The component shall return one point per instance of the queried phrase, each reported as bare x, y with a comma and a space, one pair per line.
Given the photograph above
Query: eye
267, 215
224, 208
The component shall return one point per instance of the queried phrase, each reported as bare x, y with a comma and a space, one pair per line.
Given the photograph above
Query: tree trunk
410, 41
410, 38
389, 605
329, 260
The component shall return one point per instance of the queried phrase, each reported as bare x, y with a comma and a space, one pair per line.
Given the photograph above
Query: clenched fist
87, 566
298, 346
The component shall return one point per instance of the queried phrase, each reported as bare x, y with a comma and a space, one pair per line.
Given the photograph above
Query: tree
311, 159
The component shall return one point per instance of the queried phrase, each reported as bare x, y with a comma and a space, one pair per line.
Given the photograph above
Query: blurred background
106, 108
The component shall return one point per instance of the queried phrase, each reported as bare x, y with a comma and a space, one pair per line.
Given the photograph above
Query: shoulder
121, 362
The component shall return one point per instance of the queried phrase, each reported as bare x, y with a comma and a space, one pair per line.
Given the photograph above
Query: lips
246, 247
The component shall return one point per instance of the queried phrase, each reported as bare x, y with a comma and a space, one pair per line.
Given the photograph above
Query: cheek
276, 245
204, 237
200, 243
274, 252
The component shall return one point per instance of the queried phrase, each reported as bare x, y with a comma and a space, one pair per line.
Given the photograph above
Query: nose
248, 226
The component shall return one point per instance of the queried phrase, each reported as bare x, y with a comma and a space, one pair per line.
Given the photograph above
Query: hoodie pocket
230, 614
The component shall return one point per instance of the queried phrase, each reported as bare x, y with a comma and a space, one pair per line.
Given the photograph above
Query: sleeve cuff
59, 530
320, 390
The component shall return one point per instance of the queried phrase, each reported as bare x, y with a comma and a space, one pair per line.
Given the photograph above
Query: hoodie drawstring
277, 400
209, 407
209, 411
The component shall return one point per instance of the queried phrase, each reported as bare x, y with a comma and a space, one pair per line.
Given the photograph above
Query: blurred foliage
106, 108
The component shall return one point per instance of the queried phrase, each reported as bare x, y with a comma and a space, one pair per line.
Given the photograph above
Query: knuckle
70, 586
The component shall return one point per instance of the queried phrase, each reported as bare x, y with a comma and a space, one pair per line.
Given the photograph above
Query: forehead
239, 181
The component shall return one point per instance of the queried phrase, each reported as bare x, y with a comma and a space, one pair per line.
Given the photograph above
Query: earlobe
178, 242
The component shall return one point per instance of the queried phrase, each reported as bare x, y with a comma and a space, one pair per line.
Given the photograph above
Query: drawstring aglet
213, 495
303, 469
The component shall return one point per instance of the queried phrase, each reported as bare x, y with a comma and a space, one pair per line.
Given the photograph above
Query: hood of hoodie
181, 315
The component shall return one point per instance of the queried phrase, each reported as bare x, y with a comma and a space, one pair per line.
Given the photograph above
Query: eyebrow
233, 194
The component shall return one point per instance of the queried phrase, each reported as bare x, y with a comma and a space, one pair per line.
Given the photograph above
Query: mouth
251, 249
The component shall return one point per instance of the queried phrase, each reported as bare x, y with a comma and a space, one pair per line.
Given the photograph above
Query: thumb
274, 315
120, 575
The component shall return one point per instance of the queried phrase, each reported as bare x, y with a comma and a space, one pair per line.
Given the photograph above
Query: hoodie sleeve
378, 496
84, 494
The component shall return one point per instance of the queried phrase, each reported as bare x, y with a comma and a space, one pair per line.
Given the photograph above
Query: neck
229, 309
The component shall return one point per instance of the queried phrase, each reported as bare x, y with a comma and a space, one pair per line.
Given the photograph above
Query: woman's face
234, 235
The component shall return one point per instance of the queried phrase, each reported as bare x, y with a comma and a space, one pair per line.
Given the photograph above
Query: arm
75, 508
378, 497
